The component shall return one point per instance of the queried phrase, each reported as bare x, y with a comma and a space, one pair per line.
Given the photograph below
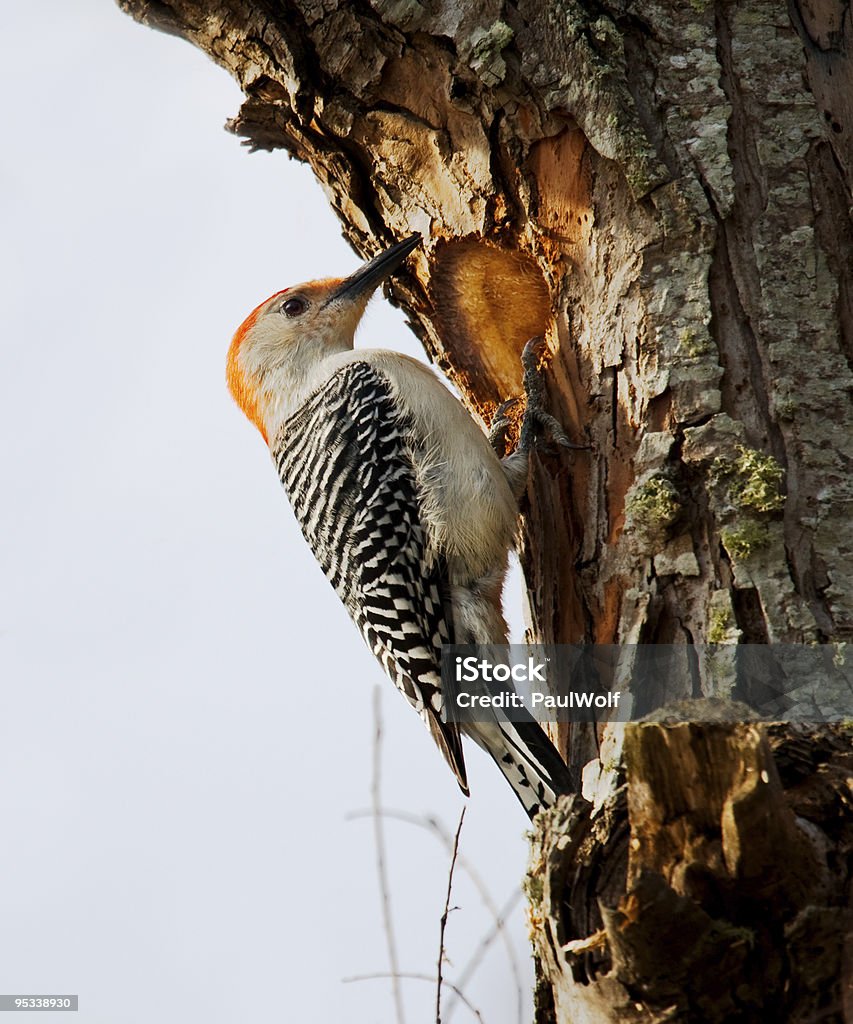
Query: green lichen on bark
759, 476
694, 344
721, 624
749, 484
745, 538
486, 47
751, 481
652, 507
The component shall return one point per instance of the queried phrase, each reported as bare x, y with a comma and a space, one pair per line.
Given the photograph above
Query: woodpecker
400, 495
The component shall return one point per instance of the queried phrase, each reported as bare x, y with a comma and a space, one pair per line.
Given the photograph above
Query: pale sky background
185, 708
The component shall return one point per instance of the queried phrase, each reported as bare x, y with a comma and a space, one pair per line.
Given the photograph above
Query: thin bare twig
379, 837
481, 950
444, 919
414, 976
499, 916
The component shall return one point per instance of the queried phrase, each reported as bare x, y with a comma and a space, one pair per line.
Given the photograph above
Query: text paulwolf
572, 699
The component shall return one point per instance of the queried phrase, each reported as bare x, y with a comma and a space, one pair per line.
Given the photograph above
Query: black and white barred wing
345, 459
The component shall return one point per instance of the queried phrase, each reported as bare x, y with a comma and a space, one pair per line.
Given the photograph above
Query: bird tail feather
527, 758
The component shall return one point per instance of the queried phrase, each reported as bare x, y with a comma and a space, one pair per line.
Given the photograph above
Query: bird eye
294, 307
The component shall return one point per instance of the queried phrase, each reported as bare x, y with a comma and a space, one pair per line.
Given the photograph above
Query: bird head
287, 336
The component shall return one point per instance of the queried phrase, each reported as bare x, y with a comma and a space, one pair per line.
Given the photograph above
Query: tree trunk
663, 191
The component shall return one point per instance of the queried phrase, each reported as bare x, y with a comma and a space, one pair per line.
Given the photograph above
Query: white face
284, 339
281, 346
307, 315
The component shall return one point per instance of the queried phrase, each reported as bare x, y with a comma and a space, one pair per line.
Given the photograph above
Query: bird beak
368, 276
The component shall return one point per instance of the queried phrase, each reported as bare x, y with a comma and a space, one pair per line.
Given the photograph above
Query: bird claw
530, 354
500, 425
537, 422
544, 424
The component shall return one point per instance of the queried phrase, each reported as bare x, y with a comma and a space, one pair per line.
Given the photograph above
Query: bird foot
499, 427
538, 423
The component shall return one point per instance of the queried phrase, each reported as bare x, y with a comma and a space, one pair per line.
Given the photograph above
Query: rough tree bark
663, 190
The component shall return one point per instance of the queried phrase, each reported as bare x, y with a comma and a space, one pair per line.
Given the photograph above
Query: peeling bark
663, 190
